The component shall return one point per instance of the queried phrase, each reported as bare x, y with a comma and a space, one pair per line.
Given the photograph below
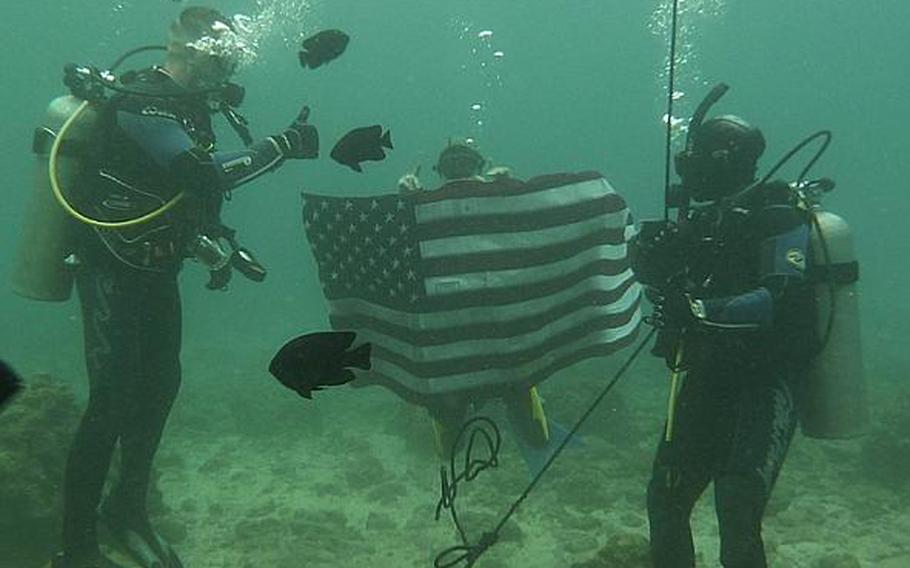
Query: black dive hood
679, 195
90, 83
721, 153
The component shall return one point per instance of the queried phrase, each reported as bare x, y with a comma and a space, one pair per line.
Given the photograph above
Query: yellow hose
675, 378
58, 193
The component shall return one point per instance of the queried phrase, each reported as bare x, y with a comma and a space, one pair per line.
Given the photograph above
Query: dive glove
657, 253
300, 140
672, 307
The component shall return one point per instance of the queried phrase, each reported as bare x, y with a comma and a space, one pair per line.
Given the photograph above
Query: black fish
310, 362
10, 383
323, 47
363, 144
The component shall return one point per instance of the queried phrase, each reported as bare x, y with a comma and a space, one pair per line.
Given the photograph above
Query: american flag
478, 285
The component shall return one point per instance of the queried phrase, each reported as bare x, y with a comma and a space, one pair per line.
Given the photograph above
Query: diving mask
227, 45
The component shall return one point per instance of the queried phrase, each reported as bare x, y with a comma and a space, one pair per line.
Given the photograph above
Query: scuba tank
41, 270
834, 405
44, 264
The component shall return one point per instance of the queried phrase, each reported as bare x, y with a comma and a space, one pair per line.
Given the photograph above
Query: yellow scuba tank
41, 271
835, 402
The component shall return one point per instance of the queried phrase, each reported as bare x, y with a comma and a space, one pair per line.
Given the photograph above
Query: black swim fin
536, 458
99, 561
141, 543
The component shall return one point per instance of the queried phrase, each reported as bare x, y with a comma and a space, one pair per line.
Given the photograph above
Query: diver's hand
300, 141
498, 173
672, 307
657, 253
409, 183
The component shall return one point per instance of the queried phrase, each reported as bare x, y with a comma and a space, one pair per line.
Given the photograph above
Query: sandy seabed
254, 476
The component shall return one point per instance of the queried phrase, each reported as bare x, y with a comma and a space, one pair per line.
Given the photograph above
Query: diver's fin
145, 547
101, 561
536, 457
558, 433
386, 140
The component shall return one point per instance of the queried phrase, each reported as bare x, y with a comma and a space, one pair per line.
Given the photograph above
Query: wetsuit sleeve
783, 248
172, 149
161, 138
239, 167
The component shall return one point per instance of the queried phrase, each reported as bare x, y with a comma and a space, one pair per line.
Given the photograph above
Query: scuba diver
458, 161
736, 316
536, 436
148, 192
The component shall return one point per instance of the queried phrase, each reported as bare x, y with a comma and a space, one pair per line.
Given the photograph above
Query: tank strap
841, 273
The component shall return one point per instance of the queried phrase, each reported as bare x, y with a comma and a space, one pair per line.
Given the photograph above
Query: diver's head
459, 161
203, 48
721, 158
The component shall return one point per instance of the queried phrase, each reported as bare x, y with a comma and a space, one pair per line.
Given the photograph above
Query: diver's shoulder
776, 192
150, 86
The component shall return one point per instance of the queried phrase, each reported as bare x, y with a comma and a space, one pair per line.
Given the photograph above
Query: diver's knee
108, 411
741, 495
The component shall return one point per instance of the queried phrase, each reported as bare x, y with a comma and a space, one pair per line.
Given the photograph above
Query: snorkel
698, 117
688, 161
686, 157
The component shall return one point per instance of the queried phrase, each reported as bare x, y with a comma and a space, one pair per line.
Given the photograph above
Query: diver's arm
229, 170
299, 141
166, 142
782, 264
237, 168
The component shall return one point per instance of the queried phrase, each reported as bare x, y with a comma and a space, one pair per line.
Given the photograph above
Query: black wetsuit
145, 151
746, 351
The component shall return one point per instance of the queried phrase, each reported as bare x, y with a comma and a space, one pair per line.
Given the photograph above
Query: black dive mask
720, 154
709, 176
459, 161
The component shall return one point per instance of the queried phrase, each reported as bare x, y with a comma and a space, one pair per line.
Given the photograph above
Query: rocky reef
35, 432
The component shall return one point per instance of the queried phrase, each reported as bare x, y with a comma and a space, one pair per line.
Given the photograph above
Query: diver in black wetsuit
736, 314
153, 141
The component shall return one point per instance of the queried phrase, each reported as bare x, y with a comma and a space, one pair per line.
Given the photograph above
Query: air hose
61, 199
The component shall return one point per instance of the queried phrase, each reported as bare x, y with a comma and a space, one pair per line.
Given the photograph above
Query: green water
579, 86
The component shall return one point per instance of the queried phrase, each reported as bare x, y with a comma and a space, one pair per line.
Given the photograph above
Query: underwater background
251, 475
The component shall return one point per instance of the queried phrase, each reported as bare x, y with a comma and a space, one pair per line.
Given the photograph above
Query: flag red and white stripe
478, 285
